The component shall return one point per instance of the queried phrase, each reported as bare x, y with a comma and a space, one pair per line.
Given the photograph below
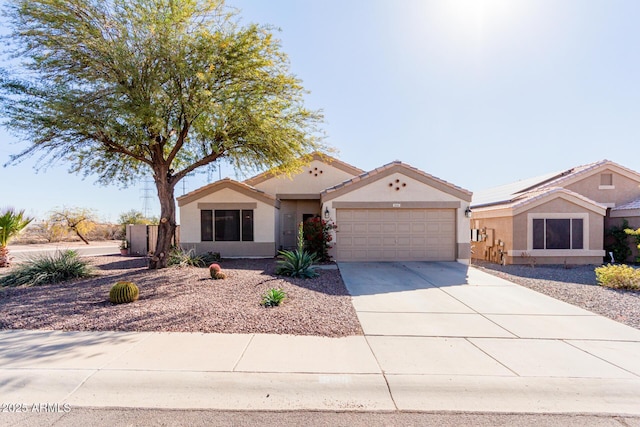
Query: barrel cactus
218, 275
215, 270
123, 292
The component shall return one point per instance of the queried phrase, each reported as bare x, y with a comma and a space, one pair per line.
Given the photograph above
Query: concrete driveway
451, 337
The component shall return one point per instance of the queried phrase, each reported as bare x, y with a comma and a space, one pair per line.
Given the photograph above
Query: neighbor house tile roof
540, 193
634, 204
504, 194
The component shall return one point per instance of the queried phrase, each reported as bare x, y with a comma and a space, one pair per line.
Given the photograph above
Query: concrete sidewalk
437, 338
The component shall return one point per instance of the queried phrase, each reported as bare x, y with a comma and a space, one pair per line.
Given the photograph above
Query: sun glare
464, 20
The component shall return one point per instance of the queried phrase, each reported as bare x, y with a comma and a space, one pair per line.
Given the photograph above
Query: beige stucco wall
413, 191
312, 180
515, 231
625, 189
558, 207
264, 223
497, 230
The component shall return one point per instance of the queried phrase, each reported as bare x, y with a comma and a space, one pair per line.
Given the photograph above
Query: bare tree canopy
127, 88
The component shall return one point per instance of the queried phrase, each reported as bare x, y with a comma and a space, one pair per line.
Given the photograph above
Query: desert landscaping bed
185, 300
575, 285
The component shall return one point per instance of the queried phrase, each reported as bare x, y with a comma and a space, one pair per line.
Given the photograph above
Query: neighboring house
555, 218
393, 213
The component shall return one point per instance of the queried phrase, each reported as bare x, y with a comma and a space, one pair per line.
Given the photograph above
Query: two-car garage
396, 235
398, 213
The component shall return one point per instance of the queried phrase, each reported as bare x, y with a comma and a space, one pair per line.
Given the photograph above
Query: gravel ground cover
575, 285
185, 300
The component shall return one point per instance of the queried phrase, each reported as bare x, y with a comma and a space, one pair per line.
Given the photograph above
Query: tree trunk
5, 261
167, 225
80, 236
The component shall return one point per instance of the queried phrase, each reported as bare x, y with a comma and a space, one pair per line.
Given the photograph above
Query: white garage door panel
396, 235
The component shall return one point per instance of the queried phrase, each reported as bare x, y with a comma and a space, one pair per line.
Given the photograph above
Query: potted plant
124, 248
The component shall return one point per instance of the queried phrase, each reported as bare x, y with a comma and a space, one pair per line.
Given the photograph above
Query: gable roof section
505, 194
322, 157
388, 169
240, 187
543, 195
530, 199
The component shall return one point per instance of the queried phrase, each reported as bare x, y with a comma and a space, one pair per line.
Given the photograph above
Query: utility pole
147, 196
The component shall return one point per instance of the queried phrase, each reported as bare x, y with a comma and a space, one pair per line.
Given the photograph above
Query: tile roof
224, 182
323, 157
539, 193
395, 163
504, 194
634, 204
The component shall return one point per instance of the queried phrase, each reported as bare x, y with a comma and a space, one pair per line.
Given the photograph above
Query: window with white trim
558, 233
226, 225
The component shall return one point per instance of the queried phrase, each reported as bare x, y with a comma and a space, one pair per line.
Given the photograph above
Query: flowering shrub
317, 236
618, 276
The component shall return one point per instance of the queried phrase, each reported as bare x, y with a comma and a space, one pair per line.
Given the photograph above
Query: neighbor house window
226, 225
606, 179
558, 233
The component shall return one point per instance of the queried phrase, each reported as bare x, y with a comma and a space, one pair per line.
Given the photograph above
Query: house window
558, 233
206, 225
247, 225
226, 225
606, 179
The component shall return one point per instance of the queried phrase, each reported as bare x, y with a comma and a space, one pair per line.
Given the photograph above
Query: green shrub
123, 292
44, 269
273, 297
210, 257
618, 276
181, 258
619, 245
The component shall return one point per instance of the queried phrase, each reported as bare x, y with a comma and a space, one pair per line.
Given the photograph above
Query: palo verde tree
81, 221
124, 88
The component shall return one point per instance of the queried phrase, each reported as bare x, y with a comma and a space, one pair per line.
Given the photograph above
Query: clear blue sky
478, 93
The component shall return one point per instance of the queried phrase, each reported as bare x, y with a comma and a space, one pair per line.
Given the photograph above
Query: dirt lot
185, 300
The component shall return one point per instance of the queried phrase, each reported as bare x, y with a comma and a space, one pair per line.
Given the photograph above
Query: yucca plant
297, 263
11, 224
273, 297
46, 269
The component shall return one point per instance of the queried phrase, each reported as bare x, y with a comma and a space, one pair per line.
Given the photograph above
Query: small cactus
123, 292
219, 275
214, 269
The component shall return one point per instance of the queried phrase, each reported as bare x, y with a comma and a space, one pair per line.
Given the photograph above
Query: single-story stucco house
392, 213
556, 218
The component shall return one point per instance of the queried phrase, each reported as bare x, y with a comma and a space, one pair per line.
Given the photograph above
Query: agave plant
11, 224
273, 297
297, 263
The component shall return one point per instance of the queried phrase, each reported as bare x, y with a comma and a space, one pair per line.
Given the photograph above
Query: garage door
396, 235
